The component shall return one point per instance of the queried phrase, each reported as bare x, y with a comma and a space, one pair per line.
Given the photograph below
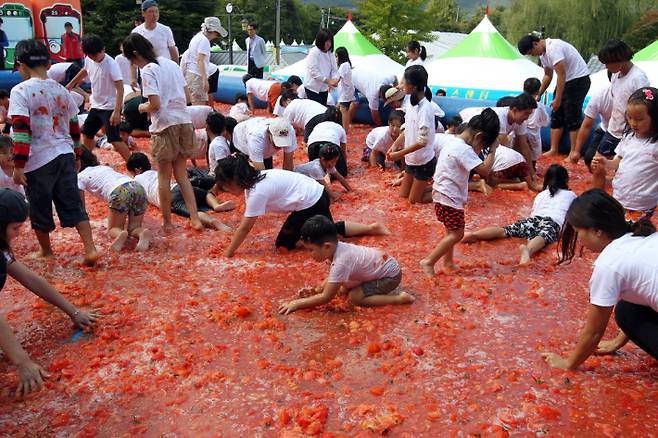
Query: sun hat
212, 24
280, 129
393, 95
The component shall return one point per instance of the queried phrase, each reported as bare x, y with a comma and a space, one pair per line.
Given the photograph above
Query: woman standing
321, 70
624, 278
196, 65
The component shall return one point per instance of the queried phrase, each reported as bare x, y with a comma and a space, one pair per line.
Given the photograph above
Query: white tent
482, 66
441, 43
362, 54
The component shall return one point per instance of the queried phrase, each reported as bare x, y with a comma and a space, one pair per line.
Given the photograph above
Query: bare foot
217, 225
144, 241
550, 153
196, 224
449, 268
379, 229
405, 298
225, 206
535, 187
573, 157
119, 241
428, 268
41, 254
484, 187
90, 258
168, 227
525, 255
469, 238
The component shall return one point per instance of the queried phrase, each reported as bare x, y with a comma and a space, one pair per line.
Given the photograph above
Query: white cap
281, 131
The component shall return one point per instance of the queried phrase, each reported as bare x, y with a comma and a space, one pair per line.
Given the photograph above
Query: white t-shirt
558, 50
300, 111
278, 109
379, 139
419, 127
149, 180
259, 88
320, 66
537, 120
505, 127
57, 72
7, 182
440, 140
626, 269
354, 265
250, 137
282, 191
313, 169
505, 158
417, 61
240, 111
165, 79
161, 38
621, 88
346, 85
301, 92
555, 206
199, 114
368, 83
452, 171
199, 45
600, 104
125, 67
50, 108
103, 75
635, 184
217, 150
328, 131
100, 181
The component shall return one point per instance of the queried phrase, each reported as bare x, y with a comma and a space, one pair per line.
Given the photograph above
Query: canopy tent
646, 59
363, 54
441, 43
482, 66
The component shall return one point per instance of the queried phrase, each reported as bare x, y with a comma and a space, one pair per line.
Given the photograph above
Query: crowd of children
43, 162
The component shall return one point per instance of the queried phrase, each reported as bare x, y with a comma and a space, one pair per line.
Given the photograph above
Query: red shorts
451, 217
519, 171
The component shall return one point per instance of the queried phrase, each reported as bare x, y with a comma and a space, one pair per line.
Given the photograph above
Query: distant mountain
469, 5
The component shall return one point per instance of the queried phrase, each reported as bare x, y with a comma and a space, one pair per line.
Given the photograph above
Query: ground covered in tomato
190, 343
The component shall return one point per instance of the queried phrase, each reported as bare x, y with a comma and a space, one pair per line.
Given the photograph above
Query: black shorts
70, 73
310, 126
314, 153
608, 145
589, 152
131, 113
100, 118
345, 105
55, 182
570, 113
291, 230
178, 206
423, 172
213, 80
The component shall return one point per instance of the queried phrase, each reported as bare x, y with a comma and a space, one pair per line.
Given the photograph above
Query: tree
644, 32
393, 24
496, 16
445, 15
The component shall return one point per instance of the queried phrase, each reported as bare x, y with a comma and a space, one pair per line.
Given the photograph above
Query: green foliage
644, 32
395, 24
444, 15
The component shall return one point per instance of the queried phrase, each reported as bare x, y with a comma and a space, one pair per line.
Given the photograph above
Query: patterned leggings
531, 227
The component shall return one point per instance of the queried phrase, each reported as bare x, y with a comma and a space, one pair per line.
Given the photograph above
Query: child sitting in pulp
125, 199
140, 167
368, 276
324, 168
545, 222
380, 140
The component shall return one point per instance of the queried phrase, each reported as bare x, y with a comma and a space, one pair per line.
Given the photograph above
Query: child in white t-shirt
458, 158
510, 171
106, 94
368, 276
125, 198
635, 183
545, 222
323, 168
346, 91
599, 105
240, 111
7, 166
380, 140
538, 119
218, 136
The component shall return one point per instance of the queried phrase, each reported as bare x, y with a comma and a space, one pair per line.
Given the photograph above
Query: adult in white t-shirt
197, 66
368, 82
572, 83
321, 73
624, 279
260, 138
300, 111
159, 35
257, 88
599, 105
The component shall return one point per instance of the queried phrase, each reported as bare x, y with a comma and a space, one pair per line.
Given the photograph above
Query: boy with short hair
106, 94
367, 275
7, 166
46, 135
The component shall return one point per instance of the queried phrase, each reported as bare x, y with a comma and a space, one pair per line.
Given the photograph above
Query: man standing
256, 52
71, 49
159, 35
